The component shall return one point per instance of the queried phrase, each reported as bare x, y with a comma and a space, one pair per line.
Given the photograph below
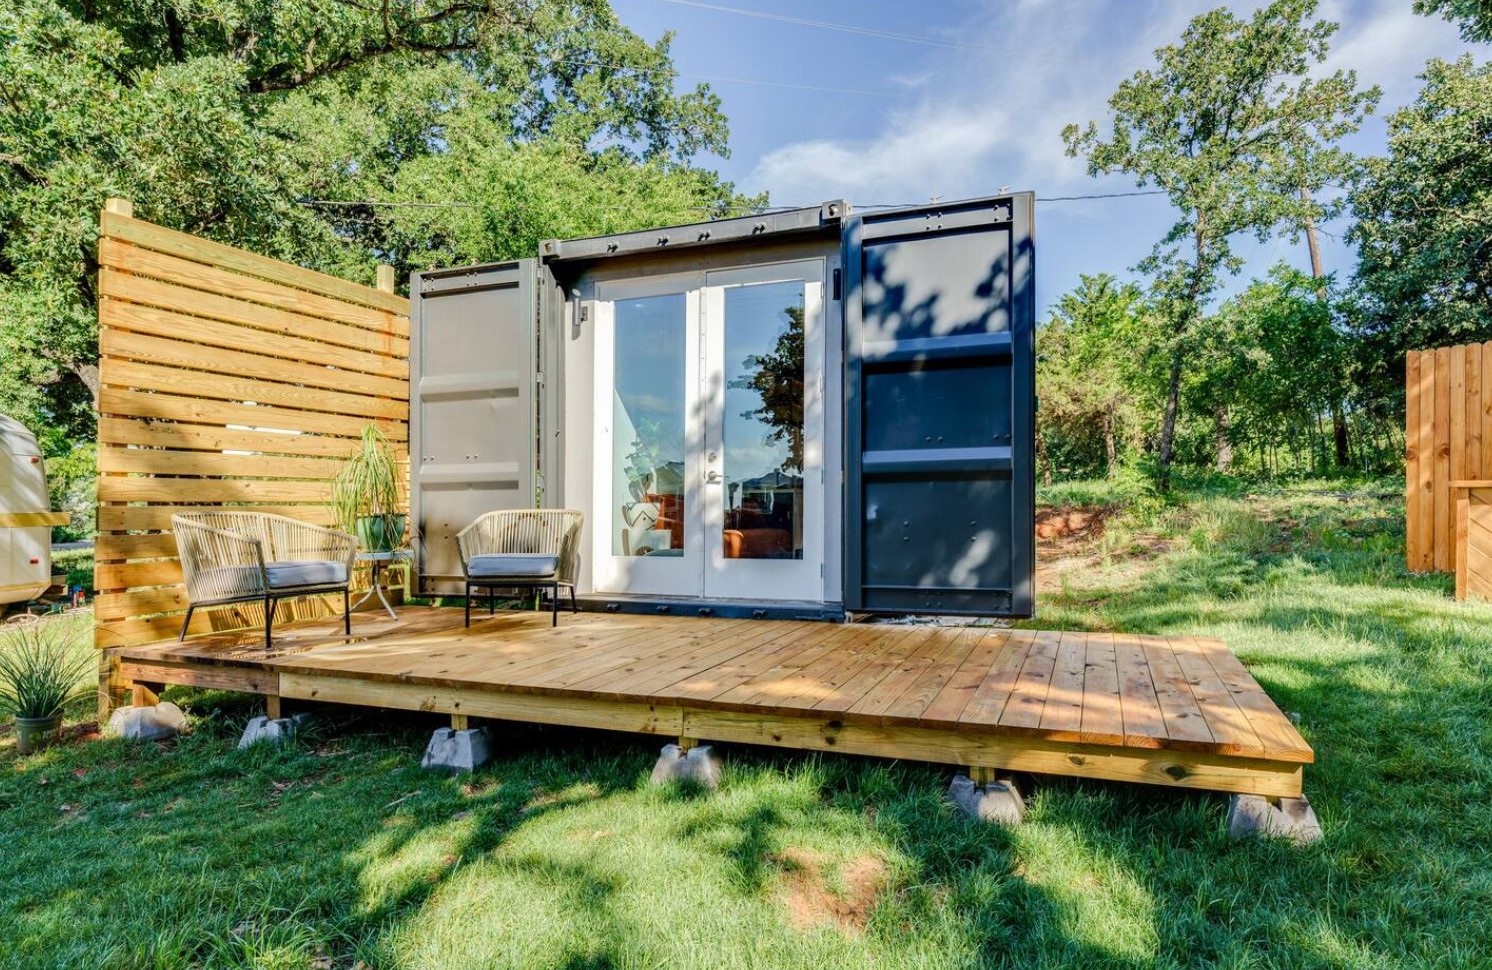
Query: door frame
770, 579
683, 575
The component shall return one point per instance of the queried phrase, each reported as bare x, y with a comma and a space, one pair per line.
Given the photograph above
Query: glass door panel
647, 447
764, 463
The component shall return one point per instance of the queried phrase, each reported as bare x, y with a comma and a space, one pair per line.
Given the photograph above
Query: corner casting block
999, 801
698, 765
456, 751
1254, 816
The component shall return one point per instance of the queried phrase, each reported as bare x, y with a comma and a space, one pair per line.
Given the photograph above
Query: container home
25, 517
801, 413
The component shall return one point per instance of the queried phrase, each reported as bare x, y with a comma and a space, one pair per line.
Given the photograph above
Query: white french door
709, 453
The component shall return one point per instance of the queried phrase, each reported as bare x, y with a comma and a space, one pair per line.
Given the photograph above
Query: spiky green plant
42, 669
368, 485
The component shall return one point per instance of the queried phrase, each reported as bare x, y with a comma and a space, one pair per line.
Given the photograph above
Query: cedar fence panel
1448, 437
227, 379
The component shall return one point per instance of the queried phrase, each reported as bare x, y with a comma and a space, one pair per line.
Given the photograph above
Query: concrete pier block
154, 722
274, 730
698, 765
1254, 816
999, 801
456, 751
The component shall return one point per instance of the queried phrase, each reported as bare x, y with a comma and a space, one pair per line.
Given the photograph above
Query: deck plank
1062, 711
1180, 713
1028, 697
1231, 731
1144, 722
914, 700
948, 704
1103, 715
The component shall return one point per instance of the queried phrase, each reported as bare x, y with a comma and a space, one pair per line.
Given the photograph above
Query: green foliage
222, 117
44, 667
1473, 16
1096, 372
1424, 225
1231, 124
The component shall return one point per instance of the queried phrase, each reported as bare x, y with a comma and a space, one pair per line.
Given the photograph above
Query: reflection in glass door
646, 456
763, 476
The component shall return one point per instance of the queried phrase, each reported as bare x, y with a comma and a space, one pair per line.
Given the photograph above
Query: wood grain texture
228, 379
880, 689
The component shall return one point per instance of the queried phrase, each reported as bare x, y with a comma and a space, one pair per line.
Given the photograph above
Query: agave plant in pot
43, 671
365, 494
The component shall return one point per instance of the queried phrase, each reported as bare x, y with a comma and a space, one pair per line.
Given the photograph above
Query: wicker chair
242, 557
523, 548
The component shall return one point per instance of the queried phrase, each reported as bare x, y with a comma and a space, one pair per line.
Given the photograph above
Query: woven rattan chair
523, 548
242, 557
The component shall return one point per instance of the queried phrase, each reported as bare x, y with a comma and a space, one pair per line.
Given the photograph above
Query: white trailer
25, 517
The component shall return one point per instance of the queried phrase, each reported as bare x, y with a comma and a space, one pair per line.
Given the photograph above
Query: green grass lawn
338, 852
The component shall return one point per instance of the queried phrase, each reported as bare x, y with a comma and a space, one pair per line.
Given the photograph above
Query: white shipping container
25, 517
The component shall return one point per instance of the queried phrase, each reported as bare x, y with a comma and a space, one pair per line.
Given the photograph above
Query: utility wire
728, 206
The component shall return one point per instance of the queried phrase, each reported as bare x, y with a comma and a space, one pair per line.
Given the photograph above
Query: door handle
712, 478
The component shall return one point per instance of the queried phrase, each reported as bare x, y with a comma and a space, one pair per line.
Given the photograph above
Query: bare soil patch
811, 903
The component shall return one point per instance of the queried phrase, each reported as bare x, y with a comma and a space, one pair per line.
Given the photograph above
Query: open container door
472, 439
939, 390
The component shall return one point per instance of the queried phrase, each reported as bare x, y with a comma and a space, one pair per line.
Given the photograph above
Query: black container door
939, 384
472, 413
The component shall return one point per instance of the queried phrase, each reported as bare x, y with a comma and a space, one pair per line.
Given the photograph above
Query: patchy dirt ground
1067, 538
812, 903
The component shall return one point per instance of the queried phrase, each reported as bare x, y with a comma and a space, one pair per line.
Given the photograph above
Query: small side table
379, 561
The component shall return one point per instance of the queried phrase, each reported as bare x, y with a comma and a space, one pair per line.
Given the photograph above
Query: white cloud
994, 118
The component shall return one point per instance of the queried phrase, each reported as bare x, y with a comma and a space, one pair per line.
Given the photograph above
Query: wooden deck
1176, 711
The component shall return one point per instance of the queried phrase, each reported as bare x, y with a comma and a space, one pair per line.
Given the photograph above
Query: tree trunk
1110, 447
1221, 444
1168, 418
1318, 272
87, 372
1339, 436
1043, 461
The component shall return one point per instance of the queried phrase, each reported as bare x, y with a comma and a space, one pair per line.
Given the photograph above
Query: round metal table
379, 561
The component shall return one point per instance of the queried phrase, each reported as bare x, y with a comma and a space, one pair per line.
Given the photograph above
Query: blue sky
979, 107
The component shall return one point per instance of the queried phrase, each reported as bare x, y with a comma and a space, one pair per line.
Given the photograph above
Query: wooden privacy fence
1448, 434
228, 379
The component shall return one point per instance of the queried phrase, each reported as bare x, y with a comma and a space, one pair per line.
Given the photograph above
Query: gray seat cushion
321, 572
512, 565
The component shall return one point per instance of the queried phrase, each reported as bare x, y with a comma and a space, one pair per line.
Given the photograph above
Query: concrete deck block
1254, 816
698, 765
153, 723
999, 801
274, 730
457, 751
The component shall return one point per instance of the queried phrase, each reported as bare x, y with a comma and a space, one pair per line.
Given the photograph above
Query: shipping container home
25, 517
799, 413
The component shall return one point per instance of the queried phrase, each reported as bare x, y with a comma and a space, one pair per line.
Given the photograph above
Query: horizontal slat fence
1448, 433
228, 379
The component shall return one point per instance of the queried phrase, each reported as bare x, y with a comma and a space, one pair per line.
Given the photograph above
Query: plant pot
381, 533
35, 733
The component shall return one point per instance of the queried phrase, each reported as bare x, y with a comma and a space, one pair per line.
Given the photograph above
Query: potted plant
41, 673
365, 494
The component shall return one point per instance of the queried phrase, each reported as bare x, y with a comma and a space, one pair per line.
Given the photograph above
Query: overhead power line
841, 28
379, 203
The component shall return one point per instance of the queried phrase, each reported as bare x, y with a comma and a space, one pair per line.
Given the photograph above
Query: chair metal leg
186, 623
491, 601
468, 604
574, 606
347, 610
269, 618
554, 604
